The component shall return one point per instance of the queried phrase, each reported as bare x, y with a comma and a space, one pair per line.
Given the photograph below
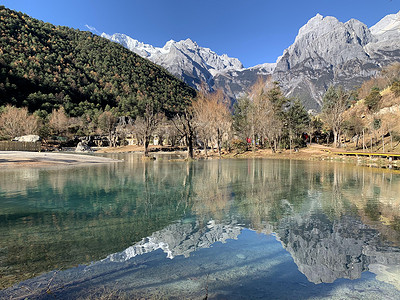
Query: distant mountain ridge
325, 52
184, 59
196, 65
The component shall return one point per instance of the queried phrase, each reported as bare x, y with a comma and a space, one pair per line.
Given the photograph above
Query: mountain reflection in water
336, 222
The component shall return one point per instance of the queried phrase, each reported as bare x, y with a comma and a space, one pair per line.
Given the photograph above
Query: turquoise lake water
217, 229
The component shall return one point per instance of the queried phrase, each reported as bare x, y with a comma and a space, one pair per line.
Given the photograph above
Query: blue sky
254, 31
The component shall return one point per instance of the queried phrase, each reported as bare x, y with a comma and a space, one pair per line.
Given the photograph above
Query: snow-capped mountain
325, 52
236, 82
328, 52
386, 45
388, 26
184, 59
203, 56
197, 65
180, 239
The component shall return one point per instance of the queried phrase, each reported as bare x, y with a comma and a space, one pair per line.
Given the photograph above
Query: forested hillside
43, 66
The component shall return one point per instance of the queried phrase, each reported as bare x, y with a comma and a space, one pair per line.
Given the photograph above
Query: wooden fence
20, 146
390, 156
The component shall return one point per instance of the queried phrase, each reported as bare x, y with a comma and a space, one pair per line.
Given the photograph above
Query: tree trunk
219, 142
109, 137
254, 141
275, 146
363, 139
205, 147
189, 144
371, 143
336, 138
146, 145
391, 140
189, 135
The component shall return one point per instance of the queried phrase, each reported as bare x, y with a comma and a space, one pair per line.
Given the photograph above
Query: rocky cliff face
386, 46
236, 82
325, 52
328, 52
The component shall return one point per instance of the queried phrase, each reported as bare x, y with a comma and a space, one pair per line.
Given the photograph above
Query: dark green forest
43, 67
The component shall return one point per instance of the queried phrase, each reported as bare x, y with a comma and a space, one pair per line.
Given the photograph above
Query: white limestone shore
28, 159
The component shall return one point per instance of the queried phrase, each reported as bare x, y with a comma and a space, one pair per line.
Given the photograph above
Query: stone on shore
31, 138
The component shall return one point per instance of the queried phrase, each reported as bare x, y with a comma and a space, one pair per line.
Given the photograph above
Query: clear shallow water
247, 229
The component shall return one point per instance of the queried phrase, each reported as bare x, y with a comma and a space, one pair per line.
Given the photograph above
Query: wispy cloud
92, 29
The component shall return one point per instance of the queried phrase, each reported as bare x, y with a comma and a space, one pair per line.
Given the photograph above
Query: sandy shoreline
30, 159
42, 159
308, 153
39, 159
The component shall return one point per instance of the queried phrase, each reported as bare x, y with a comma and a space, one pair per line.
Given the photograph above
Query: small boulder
83, 147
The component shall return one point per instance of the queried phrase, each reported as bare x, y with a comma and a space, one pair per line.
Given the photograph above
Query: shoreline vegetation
314, 152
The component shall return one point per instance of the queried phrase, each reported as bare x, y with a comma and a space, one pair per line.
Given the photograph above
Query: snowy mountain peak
388, 26
169, 43
142, 49
185, 58
318, 25
318, 16
189, 43
188, 47
267, 68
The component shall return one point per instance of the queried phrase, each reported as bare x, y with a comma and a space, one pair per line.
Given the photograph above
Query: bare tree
354, 126
58, 121
185, 125
146, 126
221, 118
212, 117
256, 111
266, 112
17, 121
123, 131
106, 124
162, 129
202, 119
335, 103
172, 133
391, 125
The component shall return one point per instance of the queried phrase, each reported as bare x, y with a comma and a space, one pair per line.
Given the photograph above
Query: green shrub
395, 88
239, 146
373, 99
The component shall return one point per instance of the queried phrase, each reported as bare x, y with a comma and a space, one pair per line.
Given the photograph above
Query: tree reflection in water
335, 220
